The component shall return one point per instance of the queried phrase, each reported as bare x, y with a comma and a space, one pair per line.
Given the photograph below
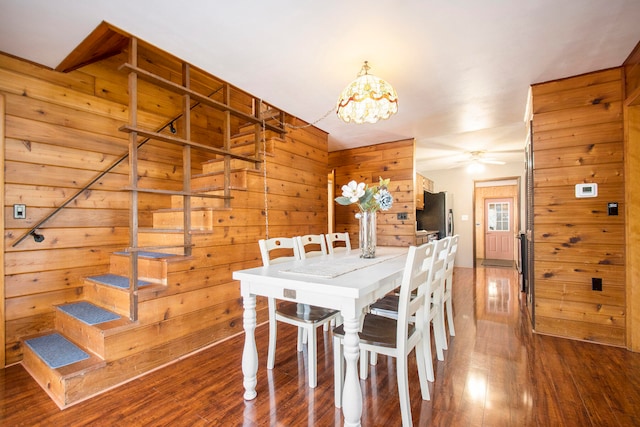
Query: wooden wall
394, 160
578, 138
632, 183
62, 130
2, 312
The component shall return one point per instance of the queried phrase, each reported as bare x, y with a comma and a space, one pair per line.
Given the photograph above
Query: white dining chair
394, 337
311, 245
337, 242
447, 303
433, 317
306, 317
388, 306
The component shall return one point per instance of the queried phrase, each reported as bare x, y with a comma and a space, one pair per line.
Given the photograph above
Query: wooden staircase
150, 327
121, 349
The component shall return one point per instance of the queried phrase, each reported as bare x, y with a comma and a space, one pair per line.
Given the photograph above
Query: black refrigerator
437, 214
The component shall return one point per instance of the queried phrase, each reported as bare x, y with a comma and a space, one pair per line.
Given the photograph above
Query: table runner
331, 267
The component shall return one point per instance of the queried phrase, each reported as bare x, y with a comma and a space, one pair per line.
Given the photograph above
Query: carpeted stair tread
56, 351
142, 254
88, 313
114, 280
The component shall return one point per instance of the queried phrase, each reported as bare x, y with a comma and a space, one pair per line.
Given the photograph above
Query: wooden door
499, 229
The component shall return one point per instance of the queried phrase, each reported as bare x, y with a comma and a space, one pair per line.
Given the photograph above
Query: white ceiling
462, 68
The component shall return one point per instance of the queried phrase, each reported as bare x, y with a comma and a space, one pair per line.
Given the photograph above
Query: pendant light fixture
367, 99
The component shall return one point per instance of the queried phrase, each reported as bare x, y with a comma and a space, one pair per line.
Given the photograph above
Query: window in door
499, 216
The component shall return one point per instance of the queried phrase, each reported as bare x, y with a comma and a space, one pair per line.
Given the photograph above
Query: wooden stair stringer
205, 182
153, 270
149, 237
216, 164
113, 373
54, 381
92, 337
117, 299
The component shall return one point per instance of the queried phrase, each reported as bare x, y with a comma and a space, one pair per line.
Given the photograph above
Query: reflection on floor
508, 263
496, 295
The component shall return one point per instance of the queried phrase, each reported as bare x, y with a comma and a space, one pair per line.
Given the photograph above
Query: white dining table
341, 281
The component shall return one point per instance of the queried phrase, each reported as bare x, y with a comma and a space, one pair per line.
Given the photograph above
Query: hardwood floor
496, 373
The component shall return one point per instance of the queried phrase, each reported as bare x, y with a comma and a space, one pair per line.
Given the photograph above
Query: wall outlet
403, 216
596, 284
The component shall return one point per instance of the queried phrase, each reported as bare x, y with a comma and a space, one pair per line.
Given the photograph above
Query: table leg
250, 352
351, 395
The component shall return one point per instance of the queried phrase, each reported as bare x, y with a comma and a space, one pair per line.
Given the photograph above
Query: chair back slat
278, 249
338, 242
311, 245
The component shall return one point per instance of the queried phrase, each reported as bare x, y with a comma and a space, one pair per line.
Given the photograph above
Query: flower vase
368, 234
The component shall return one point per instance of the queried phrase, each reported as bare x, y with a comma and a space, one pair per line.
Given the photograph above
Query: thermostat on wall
587, 190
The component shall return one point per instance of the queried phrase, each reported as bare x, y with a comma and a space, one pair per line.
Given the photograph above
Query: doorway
498, 229
493, 199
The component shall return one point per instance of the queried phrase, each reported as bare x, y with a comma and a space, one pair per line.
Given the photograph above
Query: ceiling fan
479, 157
444, 156
476, 161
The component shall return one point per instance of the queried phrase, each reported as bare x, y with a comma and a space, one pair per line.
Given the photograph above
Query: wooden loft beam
107, 40
103, 42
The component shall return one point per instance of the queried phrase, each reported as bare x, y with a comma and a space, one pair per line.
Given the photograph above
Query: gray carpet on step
88, 313
115, 280
56, 350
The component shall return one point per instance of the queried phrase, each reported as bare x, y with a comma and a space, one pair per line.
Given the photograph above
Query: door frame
2, 229
505, 187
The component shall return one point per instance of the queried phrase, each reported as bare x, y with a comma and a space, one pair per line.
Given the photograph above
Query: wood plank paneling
600, 173
591, 154
578, 138
393, 160
2, 226
576, 82
579, 116
579, 233
581, 136
632, 231
632, 181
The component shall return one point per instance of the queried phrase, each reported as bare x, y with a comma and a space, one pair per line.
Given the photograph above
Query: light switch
19, 211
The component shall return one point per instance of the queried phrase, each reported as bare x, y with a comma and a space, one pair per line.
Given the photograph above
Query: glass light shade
475, 167
367, 99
